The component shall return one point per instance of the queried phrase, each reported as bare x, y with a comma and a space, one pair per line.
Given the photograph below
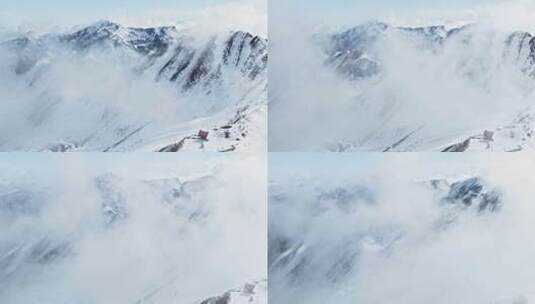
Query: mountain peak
104, 24
371, 26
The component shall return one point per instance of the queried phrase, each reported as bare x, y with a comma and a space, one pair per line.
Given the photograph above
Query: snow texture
106, 87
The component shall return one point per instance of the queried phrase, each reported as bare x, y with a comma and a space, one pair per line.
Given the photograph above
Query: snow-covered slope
254, 293
106, 87
131, 229
389, 88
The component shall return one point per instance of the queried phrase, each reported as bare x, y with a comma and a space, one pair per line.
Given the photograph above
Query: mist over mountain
132, 229
380, 87
412, 229
106, 87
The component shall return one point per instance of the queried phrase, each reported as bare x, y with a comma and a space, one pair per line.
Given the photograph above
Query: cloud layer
92, 228
383, 234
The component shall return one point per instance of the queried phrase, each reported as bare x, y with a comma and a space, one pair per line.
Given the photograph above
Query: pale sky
84, 8
39, 15
333, 14
396, 4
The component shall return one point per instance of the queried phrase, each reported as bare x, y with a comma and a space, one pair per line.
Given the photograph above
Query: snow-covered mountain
394, 88
385, 239
105, 87
154, 233
255, 293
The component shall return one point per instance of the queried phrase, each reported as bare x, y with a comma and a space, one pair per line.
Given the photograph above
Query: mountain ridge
218, 72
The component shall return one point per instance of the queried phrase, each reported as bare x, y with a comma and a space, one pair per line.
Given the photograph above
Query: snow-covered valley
386, 88
107, 87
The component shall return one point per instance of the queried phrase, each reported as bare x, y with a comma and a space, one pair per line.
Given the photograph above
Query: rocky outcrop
188, 64
249, 293
355, 52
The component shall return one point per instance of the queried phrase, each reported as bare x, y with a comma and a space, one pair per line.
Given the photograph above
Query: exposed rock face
474, 192
460, 147
356, 52
520, 49
352, 51
240, 52
145, 41
219, 73
249, 293
188, 64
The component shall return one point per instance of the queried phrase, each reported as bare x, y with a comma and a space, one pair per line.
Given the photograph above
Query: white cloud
433, 93
201, 243
405, 249
236, 15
